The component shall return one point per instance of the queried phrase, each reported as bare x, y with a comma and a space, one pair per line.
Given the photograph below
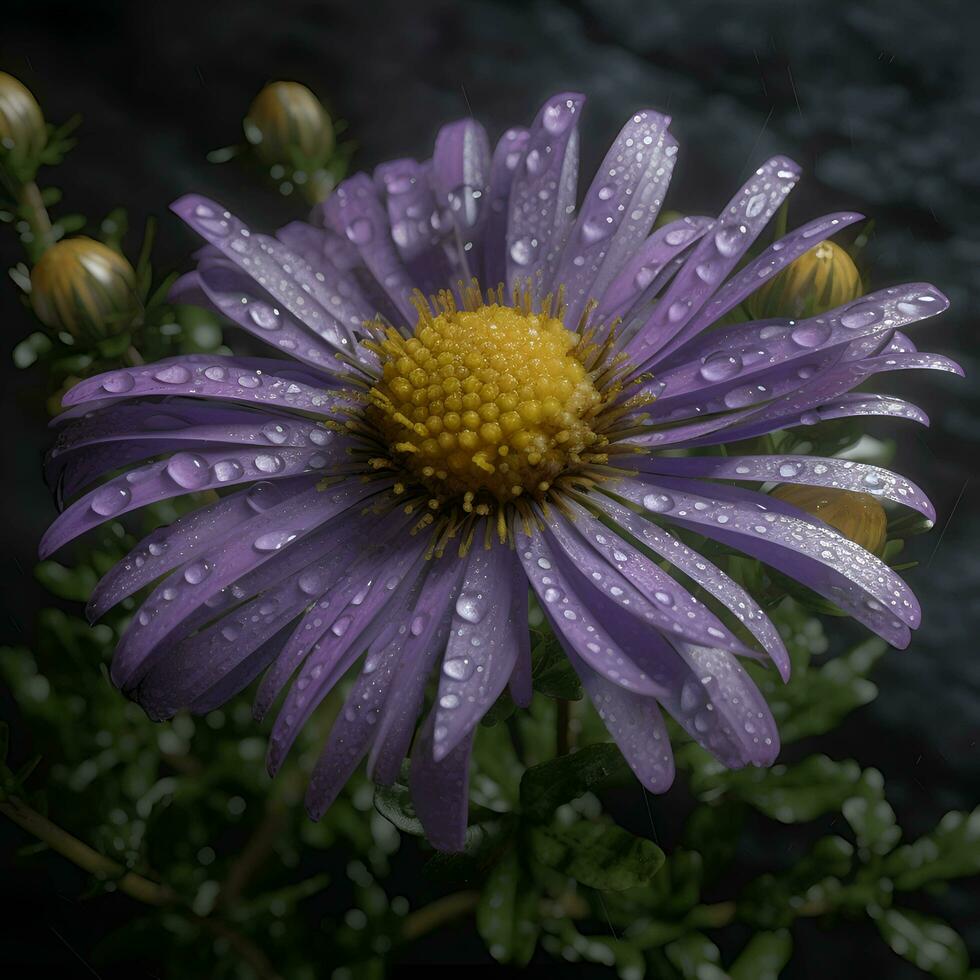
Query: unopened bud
287, 121
23, 133
817, 281
82, 286
857, 516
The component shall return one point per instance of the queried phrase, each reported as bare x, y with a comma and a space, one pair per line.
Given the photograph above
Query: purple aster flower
391, 492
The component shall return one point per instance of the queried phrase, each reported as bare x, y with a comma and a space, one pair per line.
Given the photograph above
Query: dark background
880, 102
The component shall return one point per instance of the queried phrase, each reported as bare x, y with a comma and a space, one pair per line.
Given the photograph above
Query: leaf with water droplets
547, 786
600, 855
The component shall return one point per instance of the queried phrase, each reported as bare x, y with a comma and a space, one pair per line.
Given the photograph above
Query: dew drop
197, 572
226, 470
173, 374
110, 500
187, 470
659, 503
118, 383
720, 366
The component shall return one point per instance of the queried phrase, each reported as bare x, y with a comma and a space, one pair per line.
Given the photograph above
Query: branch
437, 913
142, 889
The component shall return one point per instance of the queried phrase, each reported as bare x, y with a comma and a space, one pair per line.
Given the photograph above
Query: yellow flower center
485, 403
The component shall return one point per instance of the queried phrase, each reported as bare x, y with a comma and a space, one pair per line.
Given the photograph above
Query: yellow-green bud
817, 281
22, 129
857, 516
287, 118
80, 285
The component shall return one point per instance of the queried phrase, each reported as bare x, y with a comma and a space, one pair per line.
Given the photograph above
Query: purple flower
392, 491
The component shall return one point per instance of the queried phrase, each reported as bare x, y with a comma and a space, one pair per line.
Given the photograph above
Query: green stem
36, 214
134, 885
437, 913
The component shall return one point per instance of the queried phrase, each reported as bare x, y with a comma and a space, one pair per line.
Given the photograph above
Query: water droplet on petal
226, 470
197, 572
187, 470
274, 540
360, 231
110, 500
118, 383
720, 366
658, 502
471, 607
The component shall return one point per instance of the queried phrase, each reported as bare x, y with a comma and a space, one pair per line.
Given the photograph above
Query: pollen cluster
485, 403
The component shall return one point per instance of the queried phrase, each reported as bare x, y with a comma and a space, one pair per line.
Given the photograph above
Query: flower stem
134, 885
437, 913
36, 214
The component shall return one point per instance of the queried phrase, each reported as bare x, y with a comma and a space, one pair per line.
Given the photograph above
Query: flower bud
817, 281
857, 516
285, 120
23, 133
80, 285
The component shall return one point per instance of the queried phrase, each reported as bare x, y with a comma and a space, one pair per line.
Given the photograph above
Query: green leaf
619, 953
600, 855
763, 957
395, 804
696, 957
794, 794
773, 901
871, 817
827, 695
546, 787
66, 583
551, 673
952, 850
30, 349
507, 914
927, 942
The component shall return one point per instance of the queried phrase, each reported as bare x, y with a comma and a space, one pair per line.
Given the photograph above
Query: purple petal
773, 260
520, 679
461, 177
352, 732
422, 648
349, 629
640, 276
809, 470
285, 275
168, 547
481, 652
180, 474
619, 209
222, 378
792, 542
572, 618
542, 196
715, 256
734, 367
633, 584
418, 224
236, 295
258, 540
507, 155
635, 723
734, 723
355, 211
440, 790
237, 680
708, 576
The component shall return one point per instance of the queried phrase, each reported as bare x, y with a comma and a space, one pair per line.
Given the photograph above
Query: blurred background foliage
165, 850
